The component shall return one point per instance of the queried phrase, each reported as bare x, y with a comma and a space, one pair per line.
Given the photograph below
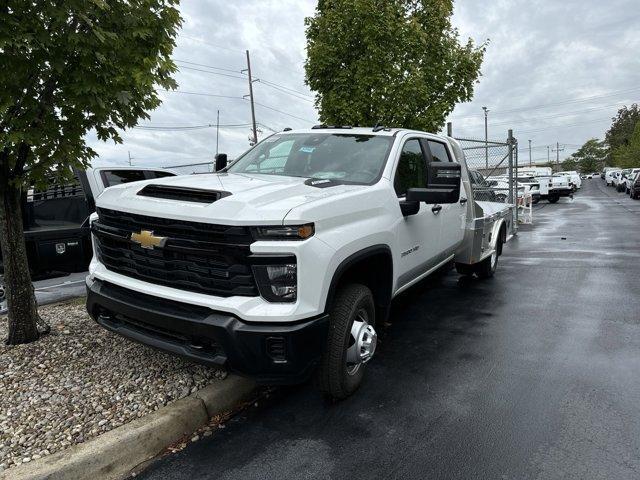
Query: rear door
452, 215
418, 236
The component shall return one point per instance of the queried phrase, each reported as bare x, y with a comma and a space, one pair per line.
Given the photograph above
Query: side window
116, 177
411, 168
439, 152
158, 174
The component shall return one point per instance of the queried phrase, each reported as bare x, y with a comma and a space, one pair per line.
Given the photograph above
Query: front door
418, 235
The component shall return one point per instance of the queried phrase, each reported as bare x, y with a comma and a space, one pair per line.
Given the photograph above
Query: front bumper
270, 353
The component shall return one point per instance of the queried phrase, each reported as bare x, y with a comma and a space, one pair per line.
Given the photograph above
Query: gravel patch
81, 381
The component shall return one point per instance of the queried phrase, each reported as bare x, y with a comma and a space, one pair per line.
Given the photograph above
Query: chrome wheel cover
362, 342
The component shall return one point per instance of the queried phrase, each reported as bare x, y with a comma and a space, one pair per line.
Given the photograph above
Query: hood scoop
184, 194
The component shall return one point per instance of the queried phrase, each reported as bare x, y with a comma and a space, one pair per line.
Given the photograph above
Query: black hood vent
185, 194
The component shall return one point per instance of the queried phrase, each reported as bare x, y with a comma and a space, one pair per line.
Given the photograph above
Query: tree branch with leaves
67, 68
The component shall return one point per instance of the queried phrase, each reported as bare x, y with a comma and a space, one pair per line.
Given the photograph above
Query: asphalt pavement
530, 375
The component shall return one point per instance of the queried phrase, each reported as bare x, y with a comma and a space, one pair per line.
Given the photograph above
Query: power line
267, 82
562, 126
242, 98
209, 43
236, 70
285, 113
190, 127
180, 67
556, 115
203, 94
284, 91
565, 102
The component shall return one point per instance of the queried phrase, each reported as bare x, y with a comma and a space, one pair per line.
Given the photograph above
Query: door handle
463, 201
436, 209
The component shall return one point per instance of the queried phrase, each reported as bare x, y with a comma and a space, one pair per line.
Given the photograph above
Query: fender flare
350, 261
496, 233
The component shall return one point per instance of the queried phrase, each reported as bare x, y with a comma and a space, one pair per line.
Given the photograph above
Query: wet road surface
534, 374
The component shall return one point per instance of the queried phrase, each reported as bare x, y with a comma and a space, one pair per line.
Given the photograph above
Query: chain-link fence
493, 169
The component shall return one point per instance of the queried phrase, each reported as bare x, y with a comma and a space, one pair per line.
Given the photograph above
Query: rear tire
487, 268
554, 199
335, 377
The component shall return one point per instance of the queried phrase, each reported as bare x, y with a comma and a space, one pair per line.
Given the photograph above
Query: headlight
277, 283
284, 232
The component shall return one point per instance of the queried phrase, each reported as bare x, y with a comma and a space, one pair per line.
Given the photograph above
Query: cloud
543, 58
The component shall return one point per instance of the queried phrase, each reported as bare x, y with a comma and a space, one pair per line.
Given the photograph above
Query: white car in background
609, 174
616, 176
631, 177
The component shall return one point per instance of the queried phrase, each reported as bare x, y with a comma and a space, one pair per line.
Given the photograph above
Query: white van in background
609, 175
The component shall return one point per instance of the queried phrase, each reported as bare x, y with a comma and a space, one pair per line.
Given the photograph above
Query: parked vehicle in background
535, 171
631, 176
635, 187
621, 180
607, 169
549, 187
609, 175
615, 178
500, 185
56, 220
280, 271
574, 179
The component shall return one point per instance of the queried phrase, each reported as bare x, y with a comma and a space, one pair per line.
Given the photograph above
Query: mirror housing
220, 162
433, 195
409, 208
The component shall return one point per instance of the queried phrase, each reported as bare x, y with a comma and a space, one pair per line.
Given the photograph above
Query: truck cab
284, 264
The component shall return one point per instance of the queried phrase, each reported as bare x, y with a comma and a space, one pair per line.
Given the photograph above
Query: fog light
277, 283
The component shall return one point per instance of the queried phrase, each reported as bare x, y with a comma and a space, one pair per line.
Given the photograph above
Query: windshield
346, 158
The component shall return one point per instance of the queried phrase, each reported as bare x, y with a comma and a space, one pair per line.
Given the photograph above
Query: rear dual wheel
351, 342
487, 267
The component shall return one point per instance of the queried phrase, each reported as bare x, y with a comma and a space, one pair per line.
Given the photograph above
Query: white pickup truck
284, 264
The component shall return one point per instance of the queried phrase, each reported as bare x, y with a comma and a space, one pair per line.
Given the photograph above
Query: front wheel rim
362, 342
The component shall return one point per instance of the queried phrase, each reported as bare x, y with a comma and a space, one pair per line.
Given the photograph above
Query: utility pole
530, 161
217, 131
548, 154
486, 137
129, 157
253, 109
558, 150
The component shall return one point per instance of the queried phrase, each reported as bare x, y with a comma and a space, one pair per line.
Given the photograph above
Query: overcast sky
554, 72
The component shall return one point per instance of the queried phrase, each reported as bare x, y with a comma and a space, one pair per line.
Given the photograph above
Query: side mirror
221, 162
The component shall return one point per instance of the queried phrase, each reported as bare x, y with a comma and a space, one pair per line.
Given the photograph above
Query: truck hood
249, 199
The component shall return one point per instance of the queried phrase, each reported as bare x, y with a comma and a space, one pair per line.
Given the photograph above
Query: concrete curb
115, 453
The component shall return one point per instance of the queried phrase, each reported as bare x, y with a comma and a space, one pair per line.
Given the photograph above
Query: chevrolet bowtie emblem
146, 239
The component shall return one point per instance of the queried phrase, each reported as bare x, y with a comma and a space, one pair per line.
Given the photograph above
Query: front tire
554, 199
351, 342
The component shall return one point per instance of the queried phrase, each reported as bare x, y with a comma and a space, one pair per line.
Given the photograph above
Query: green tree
590, 157
622, 128
628, 156
396, 63
569, 164
68, 67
